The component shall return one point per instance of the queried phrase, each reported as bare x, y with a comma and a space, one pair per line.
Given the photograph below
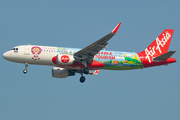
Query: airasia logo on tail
160, 43
65, 59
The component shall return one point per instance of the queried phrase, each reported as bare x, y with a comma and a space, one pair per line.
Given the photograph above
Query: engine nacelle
58, 72
65, 59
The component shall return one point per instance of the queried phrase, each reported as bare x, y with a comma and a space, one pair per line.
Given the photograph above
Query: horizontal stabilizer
164, 56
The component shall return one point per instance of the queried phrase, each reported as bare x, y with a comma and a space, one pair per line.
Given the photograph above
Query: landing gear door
27, 50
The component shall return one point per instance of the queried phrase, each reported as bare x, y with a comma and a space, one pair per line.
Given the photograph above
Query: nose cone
8, 56
5, 55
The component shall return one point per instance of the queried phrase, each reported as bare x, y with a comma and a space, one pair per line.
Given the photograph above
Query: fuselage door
26, 50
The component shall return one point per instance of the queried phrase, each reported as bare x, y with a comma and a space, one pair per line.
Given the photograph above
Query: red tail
158, 47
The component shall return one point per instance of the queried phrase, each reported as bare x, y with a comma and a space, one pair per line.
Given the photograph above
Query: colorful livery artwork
68, 61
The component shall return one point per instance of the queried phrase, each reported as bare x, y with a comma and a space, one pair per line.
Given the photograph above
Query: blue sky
147, 94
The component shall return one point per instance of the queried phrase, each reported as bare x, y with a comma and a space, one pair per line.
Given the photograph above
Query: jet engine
58, 72
65, 59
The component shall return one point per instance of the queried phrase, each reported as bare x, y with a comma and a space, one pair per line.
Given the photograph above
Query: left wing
94, 73
88, 52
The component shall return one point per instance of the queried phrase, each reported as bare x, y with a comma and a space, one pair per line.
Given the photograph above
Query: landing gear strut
25, 70
82, 78
86, 70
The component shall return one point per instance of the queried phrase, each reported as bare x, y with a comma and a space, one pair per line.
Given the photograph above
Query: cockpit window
14, 49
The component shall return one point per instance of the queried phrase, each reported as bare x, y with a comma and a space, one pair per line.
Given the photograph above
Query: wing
89, 51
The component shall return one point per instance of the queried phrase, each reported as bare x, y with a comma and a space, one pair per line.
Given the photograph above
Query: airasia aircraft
68, 61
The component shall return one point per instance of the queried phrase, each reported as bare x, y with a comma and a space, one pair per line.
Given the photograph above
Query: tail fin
159, 46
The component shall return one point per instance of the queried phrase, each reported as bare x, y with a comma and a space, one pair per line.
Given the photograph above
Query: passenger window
16, 48
13, 49
63, 52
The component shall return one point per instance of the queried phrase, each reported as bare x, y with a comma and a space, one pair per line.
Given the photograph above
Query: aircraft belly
78, 66
120, 68
120, 61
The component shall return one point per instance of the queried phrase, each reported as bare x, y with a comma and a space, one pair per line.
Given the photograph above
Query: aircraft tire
86, 70
82, 79
24, 71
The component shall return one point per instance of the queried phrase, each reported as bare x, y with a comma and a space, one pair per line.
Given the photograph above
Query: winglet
116, 28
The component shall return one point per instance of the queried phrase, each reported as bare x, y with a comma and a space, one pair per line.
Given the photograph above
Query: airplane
69, 61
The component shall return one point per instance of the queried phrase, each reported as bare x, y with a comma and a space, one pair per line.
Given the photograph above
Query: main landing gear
25, 70
82, 79
85, 71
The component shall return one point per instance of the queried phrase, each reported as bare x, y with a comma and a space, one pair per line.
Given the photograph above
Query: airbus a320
89, 60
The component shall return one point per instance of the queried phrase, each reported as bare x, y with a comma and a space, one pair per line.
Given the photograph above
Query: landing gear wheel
82, 79
86, 70
24, 71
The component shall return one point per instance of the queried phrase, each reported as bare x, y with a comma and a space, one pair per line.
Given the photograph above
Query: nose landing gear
25, 70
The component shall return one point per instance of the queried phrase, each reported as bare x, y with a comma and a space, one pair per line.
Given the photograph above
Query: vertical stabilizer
159, 46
